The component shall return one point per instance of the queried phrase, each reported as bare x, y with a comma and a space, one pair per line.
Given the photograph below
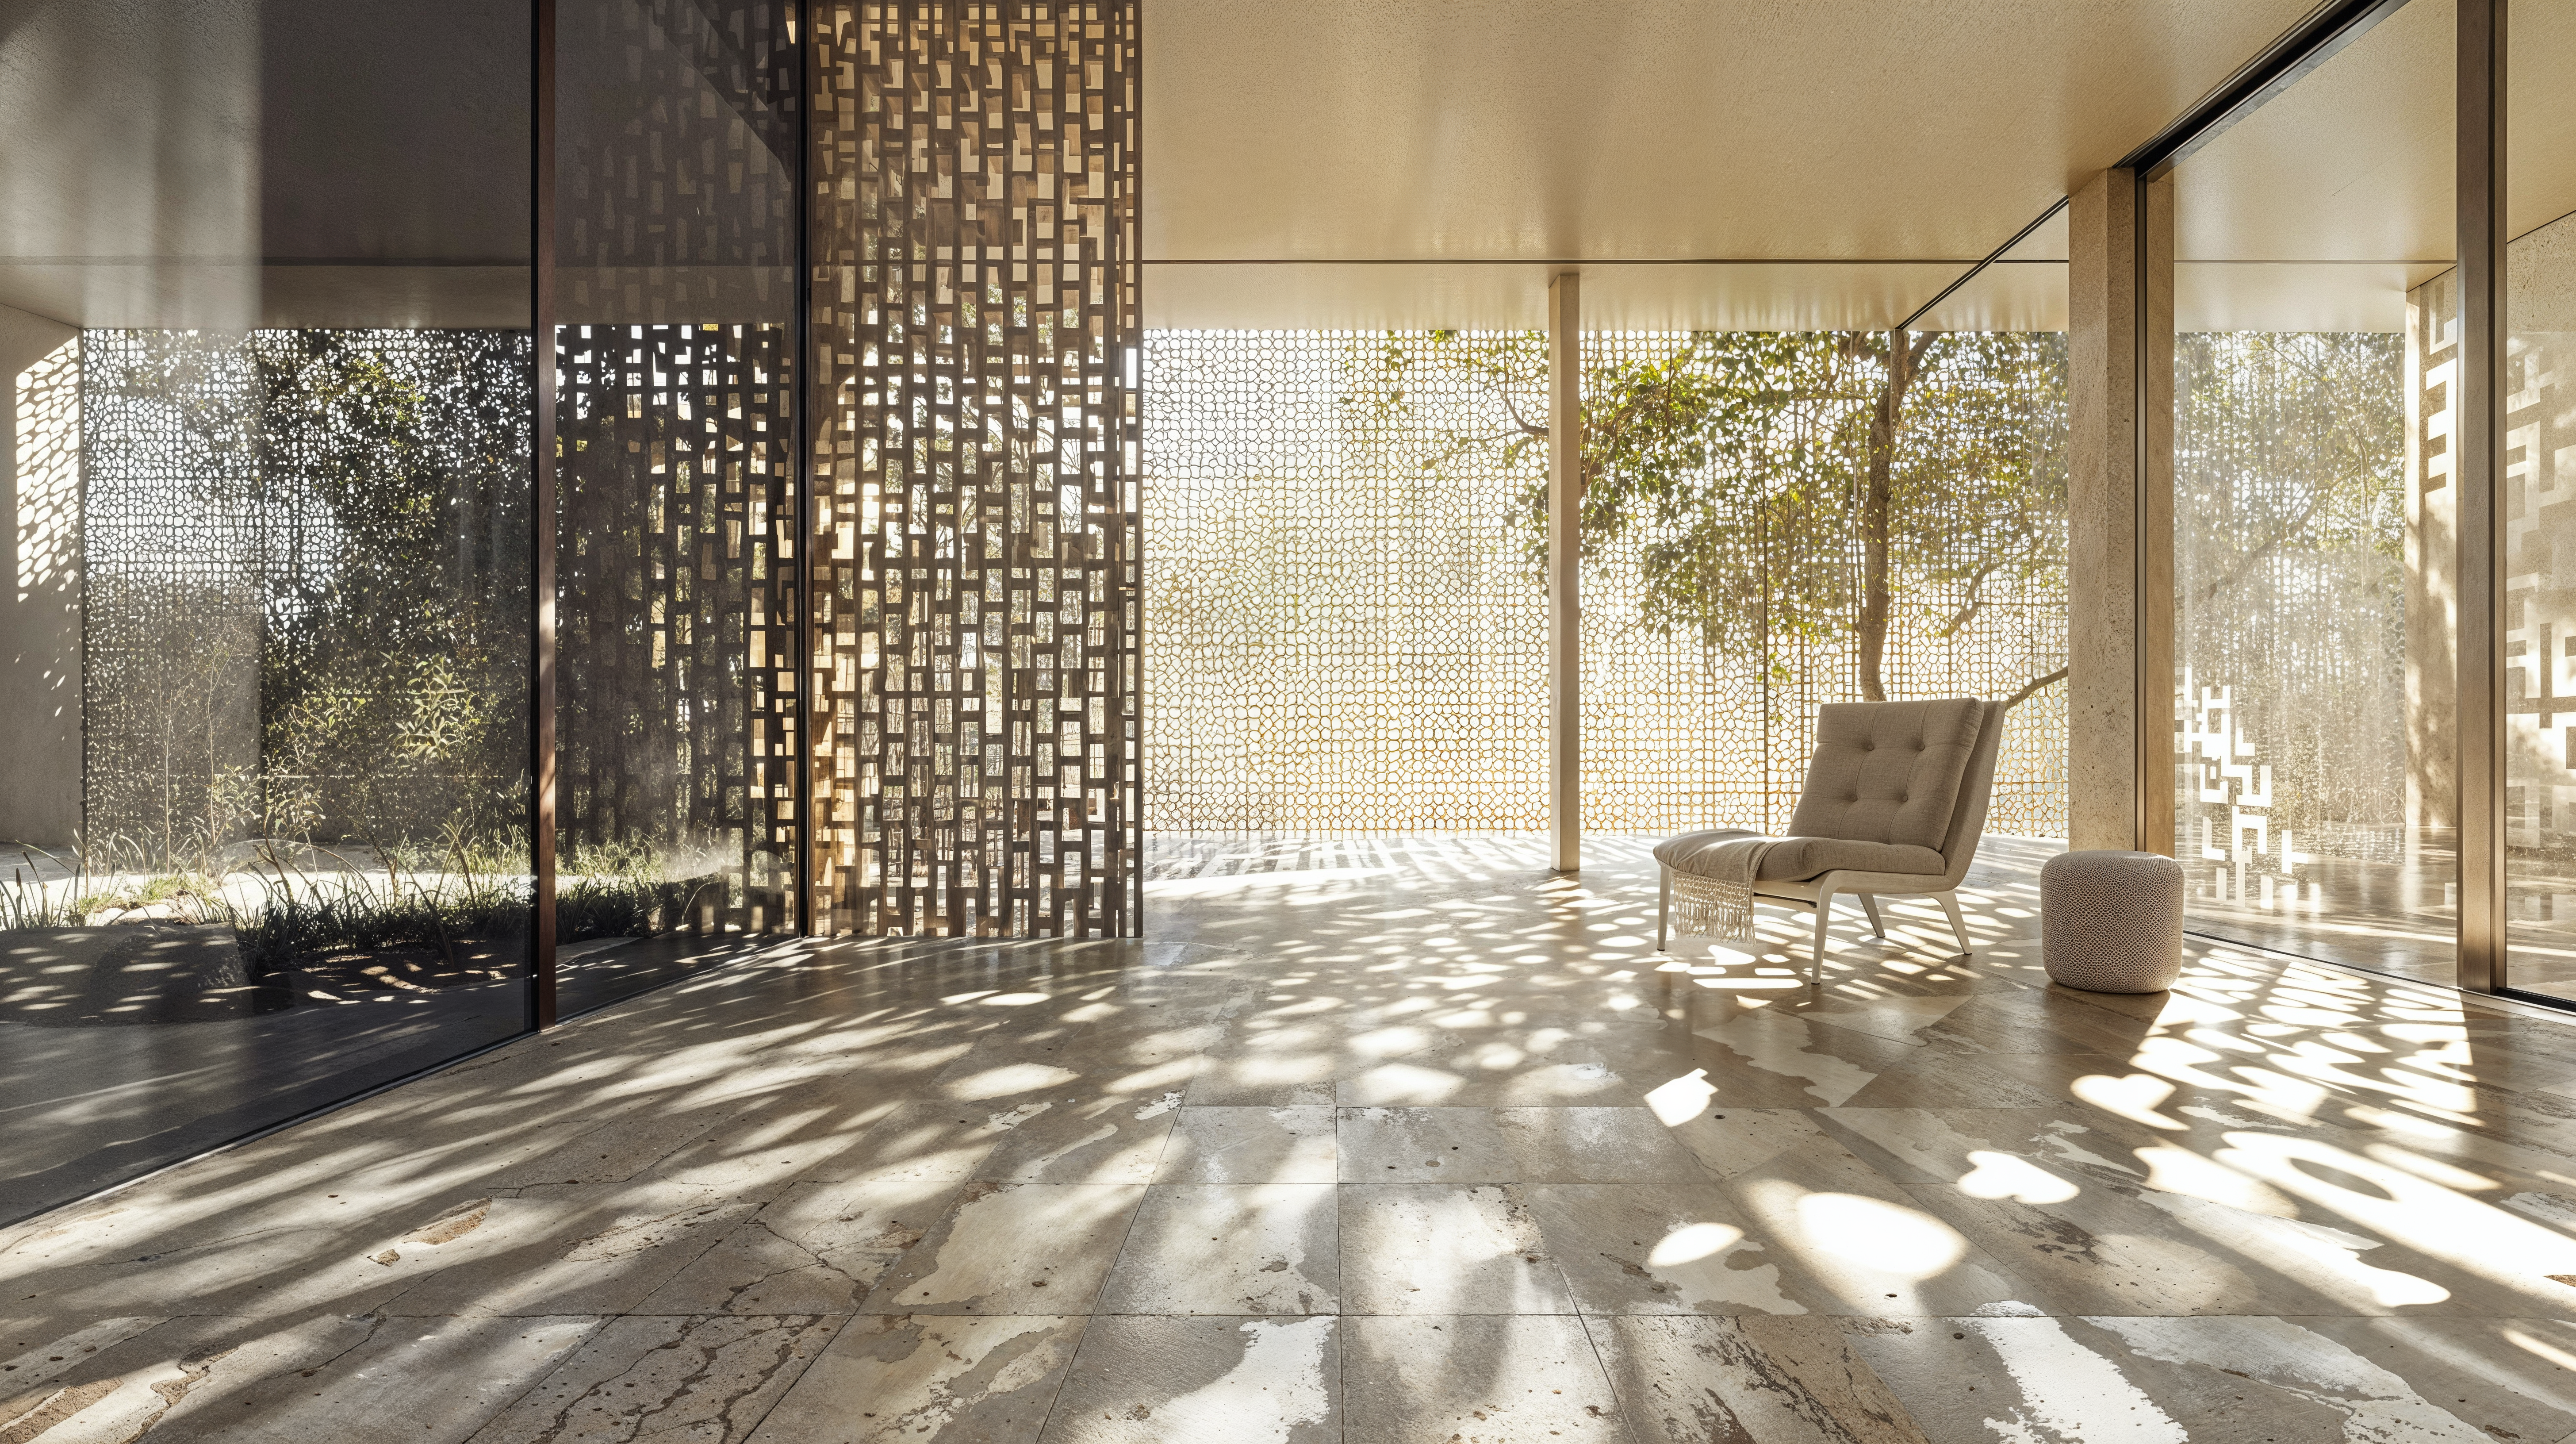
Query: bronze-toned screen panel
972, 571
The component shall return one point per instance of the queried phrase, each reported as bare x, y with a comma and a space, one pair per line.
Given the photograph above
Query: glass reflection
2536, 499
676, 611
263, 808
2312, 557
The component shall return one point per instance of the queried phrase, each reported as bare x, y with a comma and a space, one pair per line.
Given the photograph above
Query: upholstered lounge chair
1894, 803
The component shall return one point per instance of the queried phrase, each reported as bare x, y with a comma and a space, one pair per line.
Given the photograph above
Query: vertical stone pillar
1564, 575
2120, 600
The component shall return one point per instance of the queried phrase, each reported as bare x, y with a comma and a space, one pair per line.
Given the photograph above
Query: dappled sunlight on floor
1390, 1137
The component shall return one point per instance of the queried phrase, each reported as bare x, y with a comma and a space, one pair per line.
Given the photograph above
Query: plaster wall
40, 608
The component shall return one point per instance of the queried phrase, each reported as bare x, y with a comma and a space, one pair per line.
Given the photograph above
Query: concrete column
40, 610
2119, 485
1564, 597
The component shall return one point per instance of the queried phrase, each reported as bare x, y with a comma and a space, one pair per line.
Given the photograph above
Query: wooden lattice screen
972, 572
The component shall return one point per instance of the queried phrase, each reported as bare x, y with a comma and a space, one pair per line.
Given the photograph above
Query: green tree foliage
1785, 486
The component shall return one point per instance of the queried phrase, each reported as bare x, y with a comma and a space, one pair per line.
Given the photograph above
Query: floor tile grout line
816, 1357
1342, 1336
1091, 1309
539, 1381
1593, 1336
1610, 1381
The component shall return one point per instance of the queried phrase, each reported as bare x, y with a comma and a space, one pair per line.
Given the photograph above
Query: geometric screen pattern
676, 476
1338, 635
2290, 618
972, 568
1345, 632
1679, 735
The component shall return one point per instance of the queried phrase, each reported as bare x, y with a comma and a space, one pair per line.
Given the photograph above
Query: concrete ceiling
1363, 163
1776, 136
1550, 130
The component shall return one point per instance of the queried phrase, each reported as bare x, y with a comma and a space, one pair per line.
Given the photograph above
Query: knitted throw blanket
1718, 903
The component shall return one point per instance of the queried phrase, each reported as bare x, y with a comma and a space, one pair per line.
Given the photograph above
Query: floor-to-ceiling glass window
1789, 501
2315, 327
264, 738
676, 137
2536, 503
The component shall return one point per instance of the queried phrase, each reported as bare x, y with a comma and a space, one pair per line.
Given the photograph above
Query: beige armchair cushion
1882, 794
1798, 857
1886, 773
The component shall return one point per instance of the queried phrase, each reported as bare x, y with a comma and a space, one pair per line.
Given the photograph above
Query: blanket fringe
1706, 907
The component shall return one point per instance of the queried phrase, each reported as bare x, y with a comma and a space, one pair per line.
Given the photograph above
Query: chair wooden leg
1824, 916
1663, 906
1958, 924
1869, 905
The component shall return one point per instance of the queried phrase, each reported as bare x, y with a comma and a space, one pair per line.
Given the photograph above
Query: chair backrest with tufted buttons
1888, 771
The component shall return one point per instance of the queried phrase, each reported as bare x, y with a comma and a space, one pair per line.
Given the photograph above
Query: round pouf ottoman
2111, 922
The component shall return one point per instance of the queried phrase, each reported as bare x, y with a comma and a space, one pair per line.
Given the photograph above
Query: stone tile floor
1375, 1140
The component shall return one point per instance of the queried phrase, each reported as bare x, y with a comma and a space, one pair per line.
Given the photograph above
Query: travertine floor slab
1376, 1140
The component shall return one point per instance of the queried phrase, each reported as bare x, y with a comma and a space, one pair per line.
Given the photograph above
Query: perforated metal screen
1345, 627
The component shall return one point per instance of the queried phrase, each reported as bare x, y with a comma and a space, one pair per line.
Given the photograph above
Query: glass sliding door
2313, 548
264, 827
2536, 500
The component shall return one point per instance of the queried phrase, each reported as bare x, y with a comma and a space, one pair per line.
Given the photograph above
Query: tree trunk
1878, 505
